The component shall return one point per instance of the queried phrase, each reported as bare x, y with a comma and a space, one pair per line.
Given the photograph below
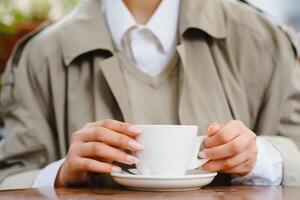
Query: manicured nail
132, 159
116, 169
135, 146
135, 130
210, 128
202, 154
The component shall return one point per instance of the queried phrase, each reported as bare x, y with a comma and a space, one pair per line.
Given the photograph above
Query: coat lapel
232, 84
86, 31
113, 75
202, 96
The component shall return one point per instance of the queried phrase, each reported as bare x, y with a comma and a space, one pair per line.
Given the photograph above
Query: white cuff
268, 169
47, 176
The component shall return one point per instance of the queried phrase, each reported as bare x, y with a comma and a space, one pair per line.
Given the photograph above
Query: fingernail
134, 145
210, 128
135, 130
116, 169
202, 154
132, 159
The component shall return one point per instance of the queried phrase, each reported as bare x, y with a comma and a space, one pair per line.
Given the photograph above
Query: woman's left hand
231, 149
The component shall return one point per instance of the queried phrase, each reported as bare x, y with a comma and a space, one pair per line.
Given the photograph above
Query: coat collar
85, 29
205, 15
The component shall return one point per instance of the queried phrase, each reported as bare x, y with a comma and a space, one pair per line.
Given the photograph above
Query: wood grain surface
209, 193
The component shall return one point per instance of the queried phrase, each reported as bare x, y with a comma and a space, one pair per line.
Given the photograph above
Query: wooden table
209, 193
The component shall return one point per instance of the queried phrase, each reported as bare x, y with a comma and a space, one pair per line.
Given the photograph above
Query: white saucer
195, 179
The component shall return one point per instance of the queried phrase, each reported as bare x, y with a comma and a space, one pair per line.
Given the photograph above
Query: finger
101, 150
228, 163
229, 149
223, 135
100, 134
212, 128
117, 126
243, 169
91, 165
105, 160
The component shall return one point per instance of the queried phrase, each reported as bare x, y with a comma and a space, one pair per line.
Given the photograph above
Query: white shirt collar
163, 23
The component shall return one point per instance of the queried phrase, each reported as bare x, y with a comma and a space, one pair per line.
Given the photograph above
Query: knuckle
73, 160
119, 139
122, 141
72, 149
87, 165
123, 126
223, 138
75, 136
238, 124
105, 122
97, 149
228, 163
235, 147
100, 133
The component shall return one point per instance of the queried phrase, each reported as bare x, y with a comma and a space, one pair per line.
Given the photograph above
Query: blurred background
285, 11
19, 17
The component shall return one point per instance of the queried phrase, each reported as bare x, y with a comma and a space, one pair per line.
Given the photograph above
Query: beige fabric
19, 181
150, 95
291, 157
235, 65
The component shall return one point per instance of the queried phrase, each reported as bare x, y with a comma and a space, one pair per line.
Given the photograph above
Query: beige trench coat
236, 65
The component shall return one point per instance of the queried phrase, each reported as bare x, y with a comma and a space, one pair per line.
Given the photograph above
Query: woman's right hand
94, 148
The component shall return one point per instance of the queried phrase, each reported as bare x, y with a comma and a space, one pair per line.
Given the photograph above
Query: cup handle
196, 161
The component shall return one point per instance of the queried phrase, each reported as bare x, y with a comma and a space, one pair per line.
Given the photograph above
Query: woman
153, 62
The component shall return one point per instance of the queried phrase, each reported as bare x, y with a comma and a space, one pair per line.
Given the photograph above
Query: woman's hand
94, 148
231, 149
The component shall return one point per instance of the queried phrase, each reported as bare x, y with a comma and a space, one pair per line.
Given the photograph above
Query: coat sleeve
287, 140
28, 142
281, 108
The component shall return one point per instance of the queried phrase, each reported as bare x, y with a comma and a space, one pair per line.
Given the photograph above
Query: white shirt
151, 46
157, 39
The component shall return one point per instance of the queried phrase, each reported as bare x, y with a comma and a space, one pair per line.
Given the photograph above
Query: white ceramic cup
169, 150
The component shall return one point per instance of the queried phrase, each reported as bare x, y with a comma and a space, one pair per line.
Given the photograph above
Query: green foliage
13, 13
9, 17
39, 10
